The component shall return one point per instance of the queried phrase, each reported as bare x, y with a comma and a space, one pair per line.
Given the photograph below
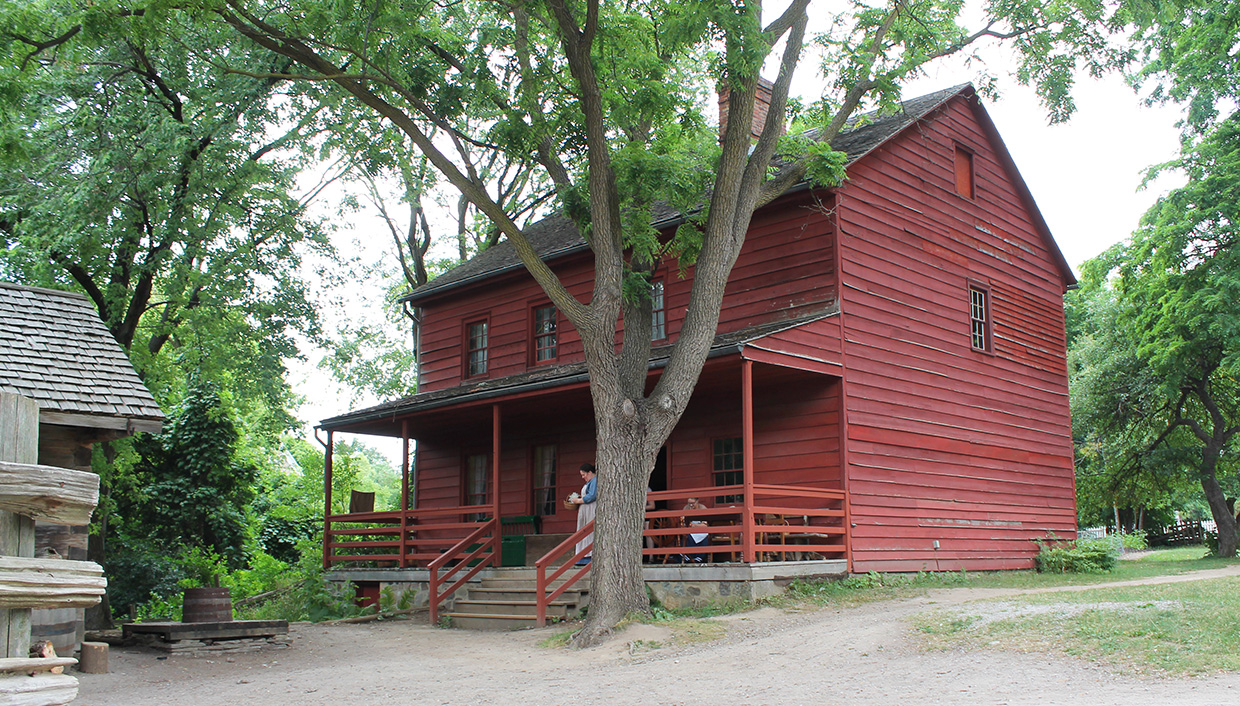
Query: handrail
416, 537
394, 530
545, 560
825, 513
491, 525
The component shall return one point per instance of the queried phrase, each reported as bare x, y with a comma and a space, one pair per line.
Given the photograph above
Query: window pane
476, 477
728, 461
979, 318
544, 480
477, 348
964, 173
545, 343
658, 317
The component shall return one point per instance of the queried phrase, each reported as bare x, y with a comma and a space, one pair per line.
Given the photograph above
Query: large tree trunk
627, 445
1223, 519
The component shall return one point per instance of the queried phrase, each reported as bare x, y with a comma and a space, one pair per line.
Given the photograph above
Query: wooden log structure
29, 491
49, 583
48, 493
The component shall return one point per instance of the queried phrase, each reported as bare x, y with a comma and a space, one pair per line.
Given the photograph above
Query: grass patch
558, 640
1183, 628
1180, 554
689, 631
867, 588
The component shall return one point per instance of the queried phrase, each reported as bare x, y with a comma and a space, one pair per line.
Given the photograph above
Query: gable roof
55, 349
557, 236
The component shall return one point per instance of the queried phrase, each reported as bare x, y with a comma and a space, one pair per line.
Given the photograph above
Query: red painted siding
785, 269
946, 443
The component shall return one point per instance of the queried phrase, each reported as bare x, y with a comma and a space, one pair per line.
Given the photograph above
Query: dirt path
862, 655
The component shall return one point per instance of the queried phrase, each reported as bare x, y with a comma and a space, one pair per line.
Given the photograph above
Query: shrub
1083, 557
1134, 540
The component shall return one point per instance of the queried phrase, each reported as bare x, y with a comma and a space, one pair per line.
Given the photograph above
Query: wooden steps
507, 600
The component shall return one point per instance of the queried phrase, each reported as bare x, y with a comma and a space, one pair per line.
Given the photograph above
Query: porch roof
384, 419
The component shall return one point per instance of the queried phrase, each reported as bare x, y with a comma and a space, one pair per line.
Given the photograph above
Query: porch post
404, 493
747, 522
327, 500
495, 451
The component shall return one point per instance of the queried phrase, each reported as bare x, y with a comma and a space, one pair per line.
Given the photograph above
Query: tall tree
605, 99
402, 187
195, 489
1161, 383
135, 171
1157, 387
150, 180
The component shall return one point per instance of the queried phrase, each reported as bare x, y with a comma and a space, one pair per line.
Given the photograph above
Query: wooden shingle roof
55, 349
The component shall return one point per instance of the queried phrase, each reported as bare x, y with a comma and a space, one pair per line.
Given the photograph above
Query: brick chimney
761, 105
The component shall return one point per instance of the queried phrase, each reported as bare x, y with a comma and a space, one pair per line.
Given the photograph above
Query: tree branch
40, 47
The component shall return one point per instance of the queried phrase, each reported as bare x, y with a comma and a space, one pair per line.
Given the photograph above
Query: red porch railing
399, 539
475, 552
786, 519
799, 520
547, 560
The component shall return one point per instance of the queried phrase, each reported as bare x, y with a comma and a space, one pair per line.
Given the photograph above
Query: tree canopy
1155, 397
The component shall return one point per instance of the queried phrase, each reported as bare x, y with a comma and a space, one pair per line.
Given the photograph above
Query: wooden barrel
206, 605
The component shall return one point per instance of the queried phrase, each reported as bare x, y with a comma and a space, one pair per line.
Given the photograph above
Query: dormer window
476, 349
964, 172
545, 342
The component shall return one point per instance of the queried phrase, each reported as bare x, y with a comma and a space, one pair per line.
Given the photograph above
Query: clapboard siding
815, 341
785, 269
946, 443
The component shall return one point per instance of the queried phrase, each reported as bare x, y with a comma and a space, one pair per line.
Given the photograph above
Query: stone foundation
675, 586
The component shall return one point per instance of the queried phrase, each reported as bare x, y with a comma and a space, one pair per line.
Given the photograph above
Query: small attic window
964, 172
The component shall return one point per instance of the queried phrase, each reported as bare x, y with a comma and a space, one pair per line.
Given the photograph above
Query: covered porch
759, 448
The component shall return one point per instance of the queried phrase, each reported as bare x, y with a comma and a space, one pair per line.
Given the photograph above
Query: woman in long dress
586, 507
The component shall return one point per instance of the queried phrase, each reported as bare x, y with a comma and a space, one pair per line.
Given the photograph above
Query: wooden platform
230, 630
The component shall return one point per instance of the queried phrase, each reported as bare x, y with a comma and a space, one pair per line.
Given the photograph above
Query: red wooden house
888, 377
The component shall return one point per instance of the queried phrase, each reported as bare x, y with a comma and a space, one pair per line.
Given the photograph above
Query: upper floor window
979, 318
964, 172
658, 313
544, 480
476, 349
545, 345
728, 464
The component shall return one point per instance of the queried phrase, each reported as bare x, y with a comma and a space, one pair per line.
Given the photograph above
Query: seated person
696, 539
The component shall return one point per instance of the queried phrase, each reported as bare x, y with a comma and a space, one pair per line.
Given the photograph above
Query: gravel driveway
863, 655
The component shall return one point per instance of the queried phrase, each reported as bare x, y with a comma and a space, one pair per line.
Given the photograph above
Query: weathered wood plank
19, 443
49, 583
48, 493
28, 665
38, 690
234, 629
